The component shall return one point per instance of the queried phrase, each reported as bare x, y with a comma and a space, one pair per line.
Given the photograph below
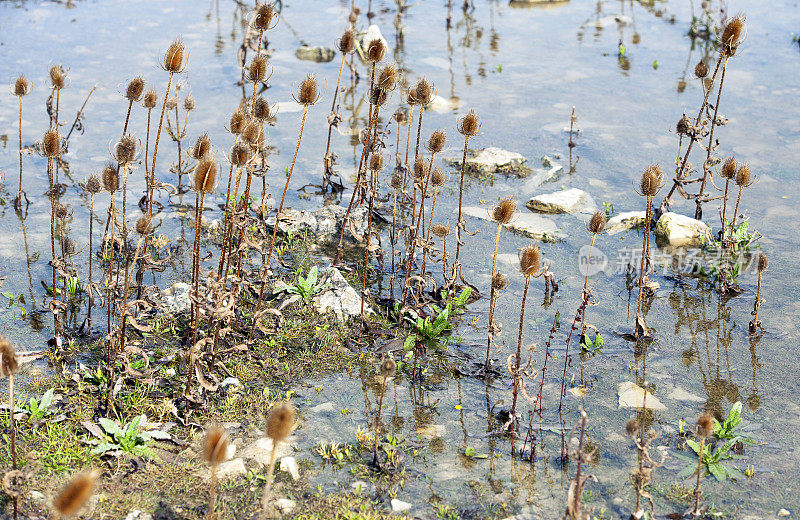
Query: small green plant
307, 287
592, 346
13, 301
38, 409
608, 208
115, 440
458, 305
726, 439
429, 333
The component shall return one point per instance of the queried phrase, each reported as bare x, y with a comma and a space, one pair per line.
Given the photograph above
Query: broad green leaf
111, 427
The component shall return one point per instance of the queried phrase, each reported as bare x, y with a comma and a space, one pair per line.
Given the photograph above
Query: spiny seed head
728, 168
125, 149
423, 92
69, 247
743, 175
378, 96
353, 16
530, 260
134, 89
173, 58
632, 427
58, 77
215, 446
252, 132
504, 211
280, 421
9, 363
240, 154
651, 180
388, 368
440, 230
420, 168
437, 177
94, 185
436, 141
202, 147
74, 495
264, 16
376, 50
205, 175
261, 109
683, 126
21, 86
701, 69
347, 43
257, 70
732, 35
376, 162
150, 99
397, 181
763, 262
401, 116
171, 103
705, 425
470, 124
308, 93
499, 282
51, 143
597, 223
387, 78
110, 177
189, 103
144, 226
237, 122
60, 210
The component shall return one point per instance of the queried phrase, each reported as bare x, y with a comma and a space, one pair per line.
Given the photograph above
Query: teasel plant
727, 172
705, 427
93, 186
149, 102
215, 452
502, 214
9, 366
396, 183
75, 494
581, 455
240, 156
387, 371
20, 89
743, 179
346, 45
650, 183
125, 152
201, 150
280, 423
375, 165
308, 94
178, 133
110, 177
134, 91
468, 126
411, 100
419, 176
264, 18
595, 226
642, 474
441, 231
423, 95
755, 323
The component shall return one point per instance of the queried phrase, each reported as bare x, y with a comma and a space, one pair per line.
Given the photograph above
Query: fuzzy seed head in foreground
732, 35
401, 116
440, 230
280, 421
651, 180
376, 162
110, 177
420, 168
388, 368
308, 93
150, 99
172, 103
437, 178
504, 211
470, 124
683, 126
51, 143
9, 363
264, 16
134, 89
174, 57
144, 226
252, 133
94, 185
21, 86
215, 446
763, 262
631, 427
125, 149
378, 96
728, 170
387, 78
202, 147
74, 495
347, 43
743, 175
261, 109
423, 92
499, 282
597, 223
237, 122
701, 69
530, 260
205, 175
376, 50
437, 141
705, 425
240, 154
189, 103
58, 77
257, 70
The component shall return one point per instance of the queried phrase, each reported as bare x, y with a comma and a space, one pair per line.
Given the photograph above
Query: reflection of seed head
261, 109
530, 260
94, 185
420, 168
69, 247
308, 93
440, 230
202, 147
150, 99
205, 175
388, 368
353, 16
632, 427
499, 282
376, 50
763, 261
173, 58
51, 143
237, 122
701, 69
470, 124
21, 86
504, 211
215, 446
705, 425
280, 421
597, 223
9, 363
74, 495
57, 77
134, 89
240, 154
60, 210
437, 178
436, 141
144, 226
743, 175
728, 170
111, 177
347, 43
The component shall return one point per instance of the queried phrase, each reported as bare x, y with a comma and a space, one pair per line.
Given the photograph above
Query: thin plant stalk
492, 295
330, 124
460, 223
91, 253
518, 357
699, 201
696, 511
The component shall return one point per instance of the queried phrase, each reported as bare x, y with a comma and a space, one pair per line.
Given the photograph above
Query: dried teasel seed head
74, 495
51, 143
150, 99
401, 116
9, 363
470, 124
530, 261
763, 262
240, 154
701, 69
504, 211
237, 122
134, 89
189, 103
437, 141
69, 247
437, 178
378, 96
110, 177
308, 92
396, 182
201, 148
597, 223
205, 175
388, 368
705, 425
743, 175
252, 132
280, 421
257, 70
264, 16
353, 16
499, 282
376, 50
58, 77
172, 103
423, 92
651, 180
60, 210
376, 162
261, 109
420, 168
632, 427
347, 43
94, 185
21, 86
683, 126
387, 78
215, 446
144, 225
728, 170
174, 57
125, 149
440, 230
732, 35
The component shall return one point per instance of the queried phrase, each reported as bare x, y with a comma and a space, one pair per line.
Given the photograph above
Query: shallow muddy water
521, 70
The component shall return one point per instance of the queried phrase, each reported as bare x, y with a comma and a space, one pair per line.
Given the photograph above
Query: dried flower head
504, 211
728, 170
215, 446
110, 177
201, 148
252, 132
94, 185
257, 70
264, 16
134, 89
21, 87
597, 223
60, 210
651, 180
172, 103
440, 230
205, 175
684, 125
396, 182
743, 175
732, 35
174, 57
420, 168
189, 103
261, 109
631, 427
376, 50
9, 363
58, 77
437, 178
437, 141
74, 495
353, 16
763, 262
144, 226
401, 116
150, 99
530, 261
51, 145
423, 92
378, 96
470, 124
701, 69
237, 122
68, 246
705, 425
240, 154
499, 282
347, 43
376, 162
308, 93
387, 78
125, 149
388, 368
280, 421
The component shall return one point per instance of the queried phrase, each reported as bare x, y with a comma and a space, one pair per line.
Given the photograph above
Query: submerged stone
398, 506
679, 230
632, 395
625, 221
317, 53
